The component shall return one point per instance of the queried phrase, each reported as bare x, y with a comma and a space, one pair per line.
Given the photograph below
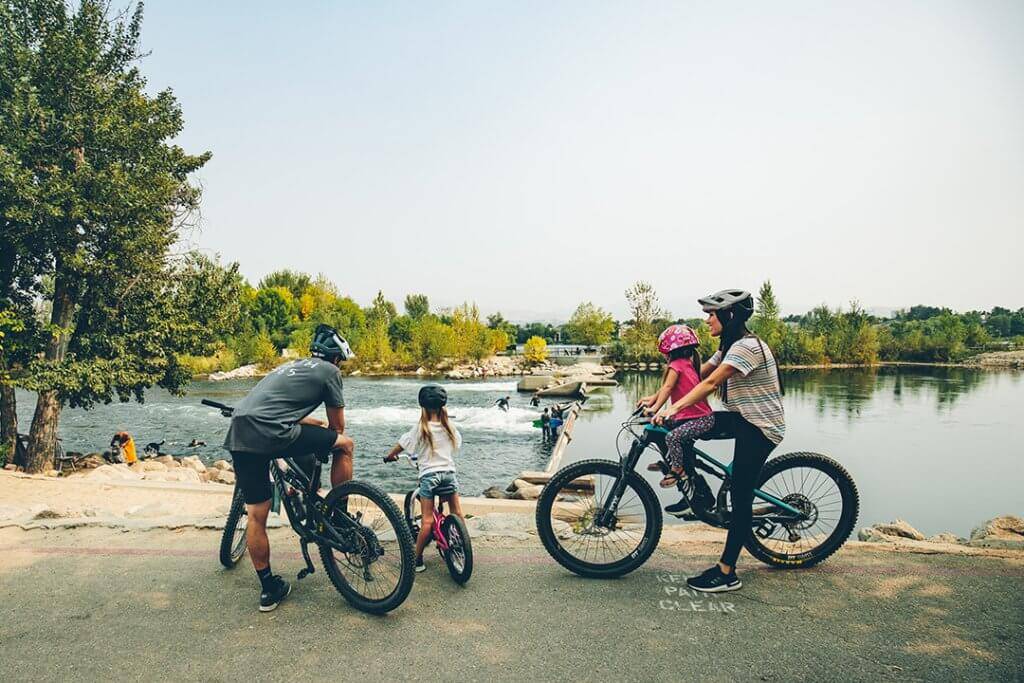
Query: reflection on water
936, 446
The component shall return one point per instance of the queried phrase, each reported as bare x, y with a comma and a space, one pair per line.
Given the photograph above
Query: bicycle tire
451, 524
334, 503
231, 548
549, 537
845, 523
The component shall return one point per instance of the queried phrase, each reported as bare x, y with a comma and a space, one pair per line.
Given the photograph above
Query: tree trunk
8, 416
43, 435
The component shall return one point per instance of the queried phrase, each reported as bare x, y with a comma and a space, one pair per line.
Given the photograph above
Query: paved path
101, 604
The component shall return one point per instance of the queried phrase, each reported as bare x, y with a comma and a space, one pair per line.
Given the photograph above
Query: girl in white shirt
435, 442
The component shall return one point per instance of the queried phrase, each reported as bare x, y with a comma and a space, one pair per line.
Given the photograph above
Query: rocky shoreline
1005, 533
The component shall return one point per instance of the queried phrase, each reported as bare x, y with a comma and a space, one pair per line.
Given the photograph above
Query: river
939, 447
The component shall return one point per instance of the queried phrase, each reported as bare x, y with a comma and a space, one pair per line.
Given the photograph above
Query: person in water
535, 401
503, 403
545, 425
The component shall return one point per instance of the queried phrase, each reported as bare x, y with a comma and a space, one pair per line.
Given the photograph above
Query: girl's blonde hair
441, 414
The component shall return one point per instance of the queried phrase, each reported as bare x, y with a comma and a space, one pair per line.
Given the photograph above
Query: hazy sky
532, 155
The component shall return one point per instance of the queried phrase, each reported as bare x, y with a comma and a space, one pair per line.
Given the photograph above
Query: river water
939, 447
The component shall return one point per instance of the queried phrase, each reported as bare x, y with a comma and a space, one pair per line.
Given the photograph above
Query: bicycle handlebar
226, 411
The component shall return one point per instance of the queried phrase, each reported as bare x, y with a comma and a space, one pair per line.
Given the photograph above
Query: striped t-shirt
754, 391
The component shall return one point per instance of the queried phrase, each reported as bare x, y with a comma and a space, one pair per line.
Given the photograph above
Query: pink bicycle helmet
675, 337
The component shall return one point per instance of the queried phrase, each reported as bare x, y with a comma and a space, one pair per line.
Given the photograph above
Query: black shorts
252, 470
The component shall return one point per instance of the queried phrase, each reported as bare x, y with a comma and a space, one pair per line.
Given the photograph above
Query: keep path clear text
676, 596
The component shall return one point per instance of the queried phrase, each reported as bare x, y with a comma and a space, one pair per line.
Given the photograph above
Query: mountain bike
364, 543
449, 532
601, 519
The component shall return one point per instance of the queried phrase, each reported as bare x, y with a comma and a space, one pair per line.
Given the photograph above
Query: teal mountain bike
601, 519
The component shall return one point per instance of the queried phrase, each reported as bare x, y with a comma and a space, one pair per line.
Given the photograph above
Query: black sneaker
714, 581
420, 567
678, 509
271, 598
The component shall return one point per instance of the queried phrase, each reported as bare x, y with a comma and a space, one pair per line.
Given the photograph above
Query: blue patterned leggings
681, 438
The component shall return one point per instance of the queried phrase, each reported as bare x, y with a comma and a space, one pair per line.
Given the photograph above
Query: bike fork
611, 503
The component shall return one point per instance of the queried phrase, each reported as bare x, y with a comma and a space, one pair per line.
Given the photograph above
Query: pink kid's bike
450, 535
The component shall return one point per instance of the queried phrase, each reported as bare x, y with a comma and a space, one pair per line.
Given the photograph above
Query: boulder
182, 474
421, 371
221, 476
137, 467
900, 529
193, 462
166, 460
237, 373
1002, 532
947, 537
10, 467
91, 461
495, 492
870, 534
223, 465
153, 466
51, 473
119, 472
525, 490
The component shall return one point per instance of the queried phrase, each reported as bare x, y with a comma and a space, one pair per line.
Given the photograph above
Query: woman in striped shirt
747, 377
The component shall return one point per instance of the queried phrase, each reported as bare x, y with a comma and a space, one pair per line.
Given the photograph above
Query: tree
381, 309
643, 303
417, 306
97, 194
294, 281
432, 341
535, 350
590, 325
767, 322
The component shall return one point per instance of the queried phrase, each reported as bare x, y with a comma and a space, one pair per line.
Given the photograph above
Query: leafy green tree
767, 322
271, 310
100, 194
590, 324
644, 306
294, 281
417, 306
432, 341
400, 330
381, 310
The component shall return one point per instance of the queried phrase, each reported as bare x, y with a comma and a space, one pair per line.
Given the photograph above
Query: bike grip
213, 404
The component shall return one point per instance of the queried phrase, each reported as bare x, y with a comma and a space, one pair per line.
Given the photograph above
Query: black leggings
751, 452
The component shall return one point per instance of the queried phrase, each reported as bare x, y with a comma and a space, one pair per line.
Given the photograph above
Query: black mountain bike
364, 542
599, 518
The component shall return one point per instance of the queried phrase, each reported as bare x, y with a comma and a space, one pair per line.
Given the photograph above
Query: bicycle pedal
303, 573
765, 529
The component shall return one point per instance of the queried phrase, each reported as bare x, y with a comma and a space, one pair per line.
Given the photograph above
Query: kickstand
309, 563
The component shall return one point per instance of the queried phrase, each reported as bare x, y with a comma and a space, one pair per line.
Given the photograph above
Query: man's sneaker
714, 581
272, 597
420, 567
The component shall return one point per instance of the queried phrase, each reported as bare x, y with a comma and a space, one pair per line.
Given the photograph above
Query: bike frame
653, 434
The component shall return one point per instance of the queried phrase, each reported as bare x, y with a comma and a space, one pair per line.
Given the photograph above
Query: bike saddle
444, 490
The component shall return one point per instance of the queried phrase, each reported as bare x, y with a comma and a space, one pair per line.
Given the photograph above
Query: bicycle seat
446, 490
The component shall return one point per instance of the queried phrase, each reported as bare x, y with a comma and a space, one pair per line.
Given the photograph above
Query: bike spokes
815, 494
576, 514
368, 556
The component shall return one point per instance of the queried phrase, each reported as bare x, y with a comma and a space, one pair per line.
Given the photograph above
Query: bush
222, 360
265, 352
535, 350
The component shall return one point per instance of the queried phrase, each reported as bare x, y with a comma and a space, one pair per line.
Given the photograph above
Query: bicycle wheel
233, 541
567, 511
374, 572
822, 489
413, 513
459, 556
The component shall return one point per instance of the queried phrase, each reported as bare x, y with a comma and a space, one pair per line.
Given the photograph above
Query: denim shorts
431, 482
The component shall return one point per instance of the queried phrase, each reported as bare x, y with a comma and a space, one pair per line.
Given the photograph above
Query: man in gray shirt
273, 421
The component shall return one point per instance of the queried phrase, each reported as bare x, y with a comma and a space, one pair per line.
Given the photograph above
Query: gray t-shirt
267, 419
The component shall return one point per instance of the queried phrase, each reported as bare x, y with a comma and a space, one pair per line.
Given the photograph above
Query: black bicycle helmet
738, 302
433, 397
329, 345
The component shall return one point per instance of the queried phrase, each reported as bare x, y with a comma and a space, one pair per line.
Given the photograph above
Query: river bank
37, 502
